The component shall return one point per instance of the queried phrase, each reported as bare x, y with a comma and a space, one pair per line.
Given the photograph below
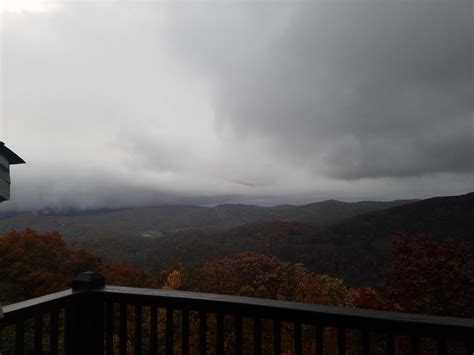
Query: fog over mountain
134, 103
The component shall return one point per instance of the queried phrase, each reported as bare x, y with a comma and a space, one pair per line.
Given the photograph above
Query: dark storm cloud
117, 103
360, 89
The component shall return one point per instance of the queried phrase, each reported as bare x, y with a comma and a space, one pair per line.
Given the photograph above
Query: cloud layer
119, 103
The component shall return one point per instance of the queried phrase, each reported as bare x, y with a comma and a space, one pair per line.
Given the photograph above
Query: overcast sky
116, 103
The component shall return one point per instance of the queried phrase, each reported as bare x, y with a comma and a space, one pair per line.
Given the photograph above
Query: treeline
295, 242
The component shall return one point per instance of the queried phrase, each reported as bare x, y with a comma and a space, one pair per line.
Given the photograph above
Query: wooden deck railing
95, 319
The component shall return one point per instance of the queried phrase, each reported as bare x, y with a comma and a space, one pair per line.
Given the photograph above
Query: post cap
88, 281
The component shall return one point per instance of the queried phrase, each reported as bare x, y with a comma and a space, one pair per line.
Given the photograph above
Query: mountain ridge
134, 222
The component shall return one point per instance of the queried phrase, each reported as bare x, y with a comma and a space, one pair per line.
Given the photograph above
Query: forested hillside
356, 249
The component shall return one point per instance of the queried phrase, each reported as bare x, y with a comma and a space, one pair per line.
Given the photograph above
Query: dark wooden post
87, 315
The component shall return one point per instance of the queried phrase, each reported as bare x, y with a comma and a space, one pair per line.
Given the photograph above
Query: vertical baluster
257, 336
341, 340
390, 344
319, 332
442, 347
68, 349
123, 329
138, 329
169, 331
20, 338
415, 345
109, 328
53, 333
238, 335
276, 337
365, 342
154, 330
202, 333
220, 333
185, 333
38, 334
297, 336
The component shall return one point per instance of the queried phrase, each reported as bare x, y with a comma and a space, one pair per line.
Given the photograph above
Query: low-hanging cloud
117, 103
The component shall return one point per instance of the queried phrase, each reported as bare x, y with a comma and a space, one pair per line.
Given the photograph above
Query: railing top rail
80, 284
31, 303
196, 298
398, 323
39, 304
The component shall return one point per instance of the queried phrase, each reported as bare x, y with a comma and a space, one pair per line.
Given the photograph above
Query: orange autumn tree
34, 264
367, 298
265, 276
178, 277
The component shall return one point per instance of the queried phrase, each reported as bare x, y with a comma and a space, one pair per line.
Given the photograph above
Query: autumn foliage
425, 276
33, 264
265, 276
367, 298
430, 277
